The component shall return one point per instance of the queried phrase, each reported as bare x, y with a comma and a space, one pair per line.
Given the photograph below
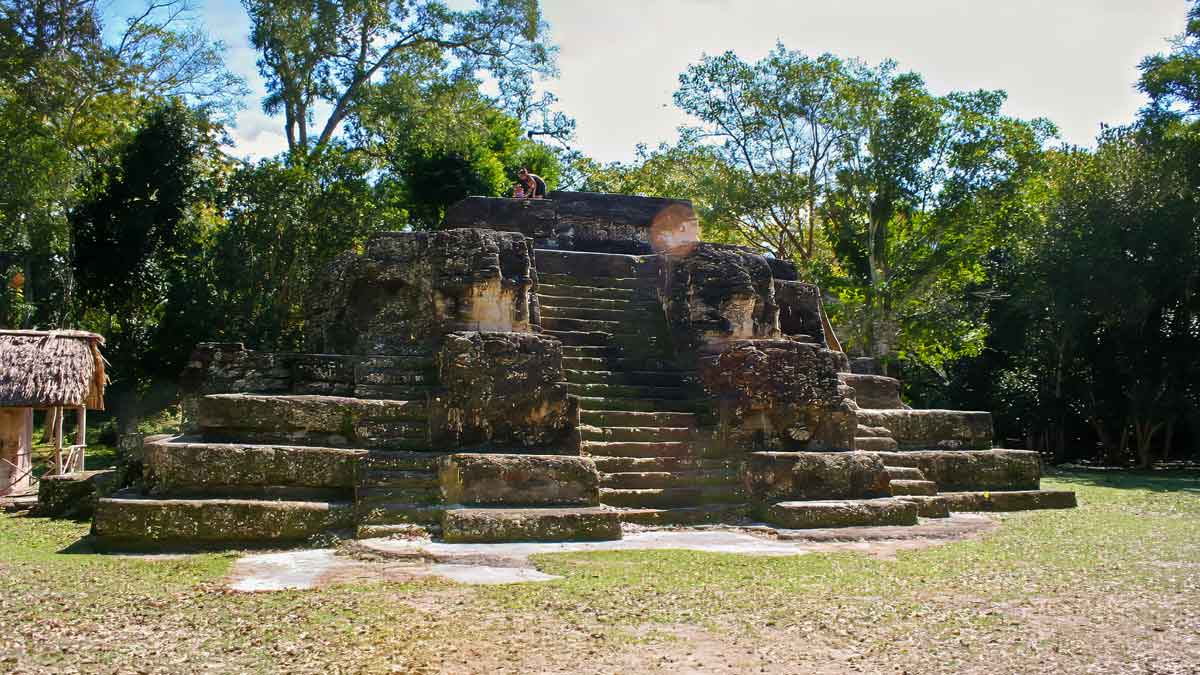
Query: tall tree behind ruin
319, 57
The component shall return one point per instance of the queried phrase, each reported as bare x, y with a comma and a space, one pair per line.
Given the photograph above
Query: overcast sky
1072, 61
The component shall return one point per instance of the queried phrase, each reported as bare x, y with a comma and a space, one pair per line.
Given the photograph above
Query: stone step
613, 359
429, 493
383, 460
933, 429
731, 513
582, 281
661, 464
404, 530
616, 304
904, 473
653, 378
874, 391
637, 449
591, 389
913, 487
643, 434
394, 376
864, 430
135, 520
668, 479
399, 479
1015, 500
402, 392
556, 291
530, 524
640, 418
173, 463
874, 443
632, 312
600, 338
636, 404
842, 513
558, 261
551, 323
929, 507
400, 513
674, 497
326, 421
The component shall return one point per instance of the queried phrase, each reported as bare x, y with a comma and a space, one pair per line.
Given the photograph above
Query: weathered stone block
74, 495
332, 421
499, 525
849, 513
779, 395
972, 470
519, 480
1022, 500
408, 289
714, 293
501, 389
933, 429
799, 309
779, 476
203, 521
874, 391
175, 463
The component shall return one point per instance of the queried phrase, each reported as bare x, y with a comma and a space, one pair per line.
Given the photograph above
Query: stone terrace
546, 370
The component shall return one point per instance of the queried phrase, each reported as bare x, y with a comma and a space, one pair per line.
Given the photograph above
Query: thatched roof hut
43, 369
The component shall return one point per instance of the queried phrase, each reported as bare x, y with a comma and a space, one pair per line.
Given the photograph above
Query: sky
1071, 61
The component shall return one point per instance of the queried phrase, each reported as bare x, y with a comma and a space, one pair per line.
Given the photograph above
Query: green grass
1113, 583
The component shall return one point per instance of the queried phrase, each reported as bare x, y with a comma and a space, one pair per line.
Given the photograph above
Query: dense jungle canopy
986, 263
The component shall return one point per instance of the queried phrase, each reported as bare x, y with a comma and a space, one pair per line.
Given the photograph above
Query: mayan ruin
549, 370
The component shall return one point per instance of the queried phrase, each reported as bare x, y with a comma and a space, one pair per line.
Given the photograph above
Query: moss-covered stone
499, 525
778, 395
874, 391
785, 476
502, 390
955, 471
1017, 500
216, 520
174, 463
842, 513
933, 429
519, 480
313, 420
74, 495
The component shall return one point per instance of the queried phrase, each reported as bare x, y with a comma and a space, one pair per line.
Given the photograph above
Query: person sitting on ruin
535, 187
518, 191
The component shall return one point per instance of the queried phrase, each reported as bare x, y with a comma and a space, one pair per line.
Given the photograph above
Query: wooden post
58, 442
81, 437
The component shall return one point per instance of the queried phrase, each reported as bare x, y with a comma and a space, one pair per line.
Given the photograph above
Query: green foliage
139, 251
330, 52
285, 221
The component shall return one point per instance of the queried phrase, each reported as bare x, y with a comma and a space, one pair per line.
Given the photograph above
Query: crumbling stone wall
778, 395
408, 289
501, 390
714, 293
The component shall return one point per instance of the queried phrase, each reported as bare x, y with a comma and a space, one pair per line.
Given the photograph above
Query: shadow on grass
1166, 480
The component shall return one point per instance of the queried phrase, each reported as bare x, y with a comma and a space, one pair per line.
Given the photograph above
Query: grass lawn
1112, 587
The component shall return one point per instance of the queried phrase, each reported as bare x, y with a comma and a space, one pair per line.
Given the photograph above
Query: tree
69, 99
926, 186
438, 140
777, 126
139, 247
316, 53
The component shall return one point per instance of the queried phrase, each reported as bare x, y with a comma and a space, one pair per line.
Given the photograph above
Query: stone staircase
345, 442
639, 419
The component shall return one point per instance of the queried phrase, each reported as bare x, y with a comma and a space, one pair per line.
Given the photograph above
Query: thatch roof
51, 368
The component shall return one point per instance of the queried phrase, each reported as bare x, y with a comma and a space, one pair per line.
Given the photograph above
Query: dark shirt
539, 186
